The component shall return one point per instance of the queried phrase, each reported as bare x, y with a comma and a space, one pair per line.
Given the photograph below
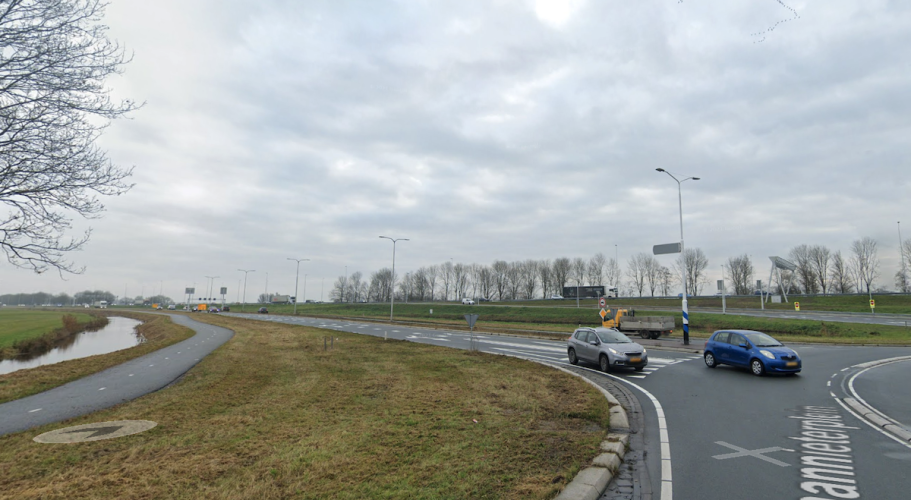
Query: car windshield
762, 340
613, 337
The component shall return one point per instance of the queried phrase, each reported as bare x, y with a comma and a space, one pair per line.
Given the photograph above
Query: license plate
635, 360
792, 363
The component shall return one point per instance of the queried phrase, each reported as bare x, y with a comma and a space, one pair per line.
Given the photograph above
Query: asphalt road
115, 385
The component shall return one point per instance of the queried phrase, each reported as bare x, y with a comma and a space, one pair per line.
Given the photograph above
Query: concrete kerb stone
591, 482
871, 415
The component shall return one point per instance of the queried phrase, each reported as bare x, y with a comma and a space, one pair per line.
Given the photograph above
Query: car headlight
611, 349
644, 352
767, 354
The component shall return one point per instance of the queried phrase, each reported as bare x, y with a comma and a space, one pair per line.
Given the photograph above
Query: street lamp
245, 271
296, 276
210, 289
392, 287
686, 318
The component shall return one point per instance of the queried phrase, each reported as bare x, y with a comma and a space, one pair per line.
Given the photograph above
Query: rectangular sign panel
666, 248
720, 285
190, 291
224, 290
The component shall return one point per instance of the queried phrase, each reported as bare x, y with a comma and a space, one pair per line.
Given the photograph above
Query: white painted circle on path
95, 432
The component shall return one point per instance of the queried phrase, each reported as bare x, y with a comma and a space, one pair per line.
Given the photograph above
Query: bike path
117, 384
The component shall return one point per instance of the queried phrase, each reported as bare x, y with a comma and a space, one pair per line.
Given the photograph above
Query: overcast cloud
487, 130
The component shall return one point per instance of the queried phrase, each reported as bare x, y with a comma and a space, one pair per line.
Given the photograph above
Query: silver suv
607, 347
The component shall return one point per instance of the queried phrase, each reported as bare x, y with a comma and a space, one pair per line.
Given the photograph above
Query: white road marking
103, 388
636, 376
36, 409
131, 374
151, 366
828, 383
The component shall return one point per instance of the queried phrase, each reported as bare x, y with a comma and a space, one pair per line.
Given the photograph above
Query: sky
492, 130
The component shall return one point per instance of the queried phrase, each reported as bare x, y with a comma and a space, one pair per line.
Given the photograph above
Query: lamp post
296, 276
392, 286
245, 271
901, 253
209, 289
686, 318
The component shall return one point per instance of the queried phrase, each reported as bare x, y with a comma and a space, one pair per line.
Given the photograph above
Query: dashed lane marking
36, 409
103, 388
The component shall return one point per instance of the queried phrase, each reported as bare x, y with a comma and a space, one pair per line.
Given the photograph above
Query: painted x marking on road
743, 452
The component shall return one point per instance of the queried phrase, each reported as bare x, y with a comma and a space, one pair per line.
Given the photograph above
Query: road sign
190, 291
720, 285
666, 248
602, 302
224, 290
603, 313
797, 306
872, 304
471, 318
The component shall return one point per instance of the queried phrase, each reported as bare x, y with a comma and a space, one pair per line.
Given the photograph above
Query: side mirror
745, 346
595, 342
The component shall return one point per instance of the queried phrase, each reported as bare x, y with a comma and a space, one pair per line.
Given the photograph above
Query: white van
467, 302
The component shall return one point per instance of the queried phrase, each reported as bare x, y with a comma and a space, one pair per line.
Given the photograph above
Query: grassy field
159, 330
272, 415
18, 324
562, 320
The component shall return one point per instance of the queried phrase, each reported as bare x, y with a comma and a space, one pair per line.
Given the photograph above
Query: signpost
797, 306
189, 292
602, 302
471, 319
872, 306
678, 248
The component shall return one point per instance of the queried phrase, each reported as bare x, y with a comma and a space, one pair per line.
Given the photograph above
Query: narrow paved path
117, 384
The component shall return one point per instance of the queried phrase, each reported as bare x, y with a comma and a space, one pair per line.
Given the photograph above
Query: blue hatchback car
747, 348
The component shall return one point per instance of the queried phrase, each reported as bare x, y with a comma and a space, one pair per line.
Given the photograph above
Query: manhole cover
95, 432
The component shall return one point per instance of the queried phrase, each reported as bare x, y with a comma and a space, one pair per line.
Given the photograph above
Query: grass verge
159, 330
23, 325
272, 415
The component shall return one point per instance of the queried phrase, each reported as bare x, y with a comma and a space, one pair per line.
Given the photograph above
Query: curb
591, 481
875, 418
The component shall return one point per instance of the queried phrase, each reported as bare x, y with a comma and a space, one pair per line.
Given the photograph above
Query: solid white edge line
861, 400
881, 431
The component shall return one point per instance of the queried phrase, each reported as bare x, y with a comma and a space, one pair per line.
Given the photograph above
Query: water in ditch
120, 333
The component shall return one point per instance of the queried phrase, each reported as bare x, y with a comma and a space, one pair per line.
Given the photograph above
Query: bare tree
612, 275
53, 106
578, 272
529, 278
696, 263
500, 277
902, 282
355, 287
596, 269
819, 261
432, 273
801, 257
460, 280
741, 273
486, 283
446, 274
840, 274
636, 272
380, 282
514, 272
652, 270
667, 279
546, 275
865, 262
560, 272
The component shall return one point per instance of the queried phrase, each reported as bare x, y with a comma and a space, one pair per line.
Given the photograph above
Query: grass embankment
272, 415
24, 327
562, 320
158, 330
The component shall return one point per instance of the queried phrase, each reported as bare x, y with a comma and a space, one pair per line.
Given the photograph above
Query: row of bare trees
821, 270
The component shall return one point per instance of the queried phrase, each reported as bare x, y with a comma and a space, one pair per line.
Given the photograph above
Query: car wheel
605, 363
757, 367
710, 360
655, 335
573, 360
644, 334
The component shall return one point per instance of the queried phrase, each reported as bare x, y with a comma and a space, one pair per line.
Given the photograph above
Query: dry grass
272, 415
159, 330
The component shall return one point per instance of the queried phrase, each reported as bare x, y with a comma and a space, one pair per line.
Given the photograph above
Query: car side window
722, 337
737, 339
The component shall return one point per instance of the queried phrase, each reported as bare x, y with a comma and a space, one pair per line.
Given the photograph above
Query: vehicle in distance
172, 307
607, 347
226, 309
467, 302
750, 349
263, 310
646, 327
556, 297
